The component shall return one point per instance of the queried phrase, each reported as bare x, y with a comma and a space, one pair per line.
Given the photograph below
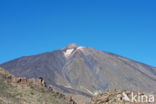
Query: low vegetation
13, 93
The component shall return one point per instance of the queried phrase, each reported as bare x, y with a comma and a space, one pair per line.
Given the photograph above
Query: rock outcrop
123, 97
30, 82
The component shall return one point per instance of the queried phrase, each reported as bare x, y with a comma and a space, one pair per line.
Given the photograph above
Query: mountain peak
70, 49
70, 46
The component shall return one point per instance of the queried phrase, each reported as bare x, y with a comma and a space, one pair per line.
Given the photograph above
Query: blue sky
124, 27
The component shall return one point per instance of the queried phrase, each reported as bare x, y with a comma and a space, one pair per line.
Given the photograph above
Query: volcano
84, 70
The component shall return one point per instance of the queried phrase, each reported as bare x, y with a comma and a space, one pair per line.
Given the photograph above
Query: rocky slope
85, 71
123, 97
28, 91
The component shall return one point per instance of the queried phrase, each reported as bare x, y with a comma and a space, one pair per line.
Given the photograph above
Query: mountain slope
85, 71
27, 91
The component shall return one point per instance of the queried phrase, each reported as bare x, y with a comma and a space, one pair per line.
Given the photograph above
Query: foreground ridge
21, 90
123, 97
